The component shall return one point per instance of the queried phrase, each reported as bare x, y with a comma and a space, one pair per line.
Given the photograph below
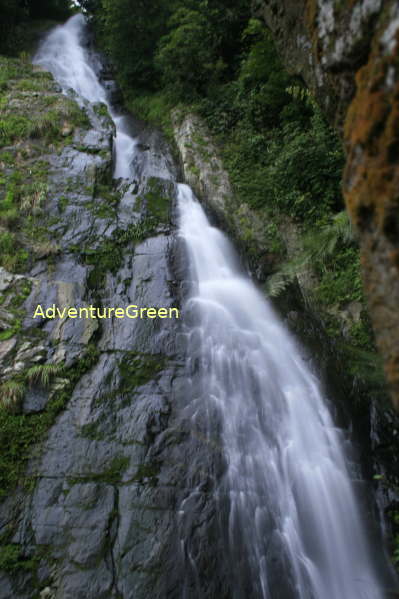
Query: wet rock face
347, 52
204, 171
119, 479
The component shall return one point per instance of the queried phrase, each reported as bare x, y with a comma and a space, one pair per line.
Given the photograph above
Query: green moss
90, 431
137, 369
4, 335
63, 203
109, 255
107, 258
195, 170
147, 473
105, 211
101, 109
157, 202
19, 433
112, 475
12, 559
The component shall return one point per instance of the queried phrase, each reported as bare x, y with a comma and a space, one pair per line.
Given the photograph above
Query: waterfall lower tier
292, 505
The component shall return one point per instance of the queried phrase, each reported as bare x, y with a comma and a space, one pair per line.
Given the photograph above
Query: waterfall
293, 511
289, 487
63, 54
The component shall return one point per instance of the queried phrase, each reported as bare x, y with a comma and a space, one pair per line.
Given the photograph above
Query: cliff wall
347, 53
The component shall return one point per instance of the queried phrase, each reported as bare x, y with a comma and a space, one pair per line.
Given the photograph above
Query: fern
322, 245
11, 394
302, 94
318, 249
276, 284
43, 373
137, 231
280, 280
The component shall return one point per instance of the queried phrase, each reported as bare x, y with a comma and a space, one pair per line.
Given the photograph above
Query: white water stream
287, 475
63, 54
287, 471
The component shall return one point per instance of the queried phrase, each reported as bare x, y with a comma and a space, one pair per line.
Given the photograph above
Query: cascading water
62, 53
288, 483
289, 488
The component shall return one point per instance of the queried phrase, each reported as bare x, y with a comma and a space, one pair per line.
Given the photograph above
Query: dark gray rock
103, 520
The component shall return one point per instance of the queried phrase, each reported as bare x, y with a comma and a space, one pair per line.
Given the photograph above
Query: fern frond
301, 93
318, 248
43, 373
276, 284
322, 244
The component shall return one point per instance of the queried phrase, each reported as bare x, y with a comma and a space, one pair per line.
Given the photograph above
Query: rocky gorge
108, 490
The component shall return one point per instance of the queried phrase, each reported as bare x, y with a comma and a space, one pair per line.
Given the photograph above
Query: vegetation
17, 18
12, 559
27, 130
112, 475
138, 369
19, 432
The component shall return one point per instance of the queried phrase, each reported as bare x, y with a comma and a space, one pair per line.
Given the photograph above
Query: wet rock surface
204, 171
100, 514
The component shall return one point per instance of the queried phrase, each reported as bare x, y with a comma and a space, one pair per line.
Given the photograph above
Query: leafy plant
320, 246
43, 374
11, 395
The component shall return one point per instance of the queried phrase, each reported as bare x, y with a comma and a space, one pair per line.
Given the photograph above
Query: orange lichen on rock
371, 188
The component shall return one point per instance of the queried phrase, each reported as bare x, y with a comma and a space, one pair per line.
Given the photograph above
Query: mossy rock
158, 200
137, 369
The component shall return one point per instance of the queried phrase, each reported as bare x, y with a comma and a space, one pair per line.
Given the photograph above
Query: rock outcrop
204, 171
105, 480
347, 53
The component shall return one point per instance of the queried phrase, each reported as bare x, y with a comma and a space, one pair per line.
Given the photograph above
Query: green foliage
14, 127
11, 395
328, 250
12, 559
154, 107
16, 20
340, 282
13, 390
137, 369
43, 374
129, 32
186, 55
12, 257
29, 127
19, 433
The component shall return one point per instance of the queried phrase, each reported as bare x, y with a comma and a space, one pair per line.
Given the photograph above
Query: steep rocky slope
97, 451
347, 54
